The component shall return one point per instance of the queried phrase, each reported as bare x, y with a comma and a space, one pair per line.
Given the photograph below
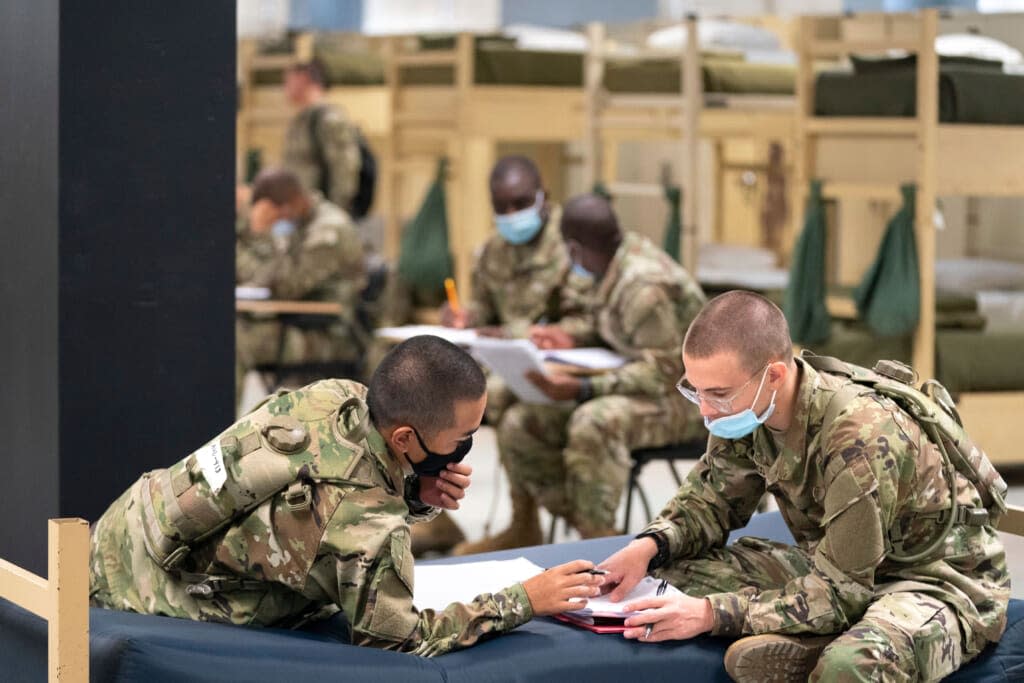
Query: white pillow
716, 33
736, 256
979, 47
530, 37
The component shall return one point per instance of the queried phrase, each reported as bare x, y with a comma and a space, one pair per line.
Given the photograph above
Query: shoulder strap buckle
176, 557
299, 496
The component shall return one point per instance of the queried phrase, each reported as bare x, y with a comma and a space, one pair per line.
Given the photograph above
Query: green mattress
968, 93
965, 360
498, 62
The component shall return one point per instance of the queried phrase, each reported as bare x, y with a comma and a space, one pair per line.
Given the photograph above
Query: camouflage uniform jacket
321, 261
348, 547
847, 491
339, 140
641, 309
516, 286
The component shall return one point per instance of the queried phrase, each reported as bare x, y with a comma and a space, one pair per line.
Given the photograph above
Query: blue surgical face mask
522, 226
282, 227
742, 423
581, 271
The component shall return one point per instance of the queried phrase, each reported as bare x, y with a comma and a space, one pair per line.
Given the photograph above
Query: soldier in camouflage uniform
522, 276
575, 458
301, 247
321, 145
861, 488
303, 508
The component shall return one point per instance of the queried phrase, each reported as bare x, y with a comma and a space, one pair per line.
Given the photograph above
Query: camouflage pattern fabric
515, 286
347, 548
849, 491
575, 459
339, 140
903, 636
321, 261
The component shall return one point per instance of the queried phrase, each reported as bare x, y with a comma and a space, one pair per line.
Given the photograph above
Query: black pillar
117, 134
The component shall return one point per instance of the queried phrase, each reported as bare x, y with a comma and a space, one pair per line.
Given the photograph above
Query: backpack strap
316, 119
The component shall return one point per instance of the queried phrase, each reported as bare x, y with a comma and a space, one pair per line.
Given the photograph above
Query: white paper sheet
439, 585
454, 335
601, 606
252, 293
512, 359
592, 358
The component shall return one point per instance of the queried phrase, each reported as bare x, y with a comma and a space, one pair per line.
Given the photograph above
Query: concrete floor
486, 507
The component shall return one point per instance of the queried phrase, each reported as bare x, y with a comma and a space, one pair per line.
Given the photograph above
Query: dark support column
117, 133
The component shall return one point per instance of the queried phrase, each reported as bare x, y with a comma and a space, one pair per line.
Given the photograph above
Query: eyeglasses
721, 405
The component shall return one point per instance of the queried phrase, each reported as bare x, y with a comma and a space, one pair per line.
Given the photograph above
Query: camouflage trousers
903, 636
575, 459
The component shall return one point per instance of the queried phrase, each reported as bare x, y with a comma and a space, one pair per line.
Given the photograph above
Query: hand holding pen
661, 591
677, 617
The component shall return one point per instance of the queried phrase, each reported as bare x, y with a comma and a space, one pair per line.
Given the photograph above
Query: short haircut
278, 185
590, 220
314, 71
515, 162
743, 323
418, 383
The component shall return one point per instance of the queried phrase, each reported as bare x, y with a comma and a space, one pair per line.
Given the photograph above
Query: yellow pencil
453, 294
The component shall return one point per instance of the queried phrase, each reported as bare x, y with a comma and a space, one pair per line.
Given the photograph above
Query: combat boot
523, 531
439, 535
774, 657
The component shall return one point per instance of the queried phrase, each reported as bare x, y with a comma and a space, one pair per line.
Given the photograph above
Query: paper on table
601, 606
252, 293
512, 359
439, 585
592, 358
452, 334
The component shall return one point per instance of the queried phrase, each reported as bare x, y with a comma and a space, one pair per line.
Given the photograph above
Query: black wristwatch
660, 557
412, 496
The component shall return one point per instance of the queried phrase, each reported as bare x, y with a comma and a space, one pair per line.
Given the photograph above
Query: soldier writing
311, 512
882, 583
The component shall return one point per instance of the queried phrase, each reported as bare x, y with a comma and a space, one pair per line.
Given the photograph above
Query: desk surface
286, 307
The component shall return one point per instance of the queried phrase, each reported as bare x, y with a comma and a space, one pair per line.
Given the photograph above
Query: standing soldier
302, 508
897, 573
575, 458
300, 247
321, 145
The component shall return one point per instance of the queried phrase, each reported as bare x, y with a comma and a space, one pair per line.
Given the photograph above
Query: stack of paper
601, 606
512, 359
439, 585
595, 358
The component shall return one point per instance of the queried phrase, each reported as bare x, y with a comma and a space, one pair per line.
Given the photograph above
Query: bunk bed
868, 157
690, 93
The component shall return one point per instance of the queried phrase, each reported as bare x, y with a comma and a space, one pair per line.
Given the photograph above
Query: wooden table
274, 307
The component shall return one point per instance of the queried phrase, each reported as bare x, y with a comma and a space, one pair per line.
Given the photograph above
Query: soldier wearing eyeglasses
854, 483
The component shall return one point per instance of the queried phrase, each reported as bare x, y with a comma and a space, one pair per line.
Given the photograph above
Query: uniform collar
782, 461
614, 272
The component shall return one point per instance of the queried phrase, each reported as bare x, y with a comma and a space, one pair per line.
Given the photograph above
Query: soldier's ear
402, 438
777, 374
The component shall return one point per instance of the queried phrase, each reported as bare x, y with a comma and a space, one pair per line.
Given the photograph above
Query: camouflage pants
903, 636
575, 459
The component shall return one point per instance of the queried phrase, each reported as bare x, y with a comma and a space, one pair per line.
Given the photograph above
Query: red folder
595, 624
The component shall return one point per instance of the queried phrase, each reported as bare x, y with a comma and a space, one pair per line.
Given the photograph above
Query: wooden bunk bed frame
613, 118
62, 599
464, 121
868, 158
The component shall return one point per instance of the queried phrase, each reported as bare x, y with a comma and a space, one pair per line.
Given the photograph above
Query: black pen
596, 572
661, 591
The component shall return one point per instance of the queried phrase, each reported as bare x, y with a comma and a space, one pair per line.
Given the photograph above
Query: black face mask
435, 463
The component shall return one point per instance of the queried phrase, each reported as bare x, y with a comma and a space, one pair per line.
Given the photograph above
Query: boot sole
774, 658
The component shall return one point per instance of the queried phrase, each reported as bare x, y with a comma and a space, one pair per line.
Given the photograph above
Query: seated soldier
300, 247
522, 276
574, 458
302, 508
887, 581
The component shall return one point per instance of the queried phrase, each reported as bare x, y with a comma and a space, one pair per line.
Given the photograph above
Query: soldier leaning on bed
303, 507
883, 582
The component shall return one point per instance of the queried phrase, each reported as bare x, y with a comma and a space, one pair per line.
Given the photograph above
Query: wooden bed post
593, 78
803, 162
463, 204
693, 102
927, 141
390, 196
68, 580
